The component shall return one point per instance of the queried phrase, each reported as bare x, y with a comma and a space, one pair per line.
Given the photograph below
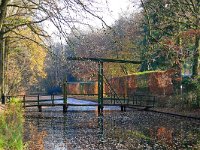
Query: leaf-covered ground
114, 130
179, 111
191, 113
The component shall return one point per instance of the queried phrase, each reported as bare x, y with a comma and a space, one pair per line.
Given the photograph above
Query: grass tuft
11, 126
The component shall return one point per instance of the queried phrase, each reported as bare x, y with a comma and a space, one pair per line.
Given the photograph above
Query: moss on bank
147, 72
11, 126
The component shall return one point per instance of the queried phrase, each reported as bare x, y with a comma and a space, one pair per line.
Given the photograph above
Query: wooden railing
137, 99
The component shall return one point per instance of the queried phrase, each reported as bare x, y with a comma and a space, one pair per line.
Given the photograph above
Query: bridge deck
57, 100
40, 105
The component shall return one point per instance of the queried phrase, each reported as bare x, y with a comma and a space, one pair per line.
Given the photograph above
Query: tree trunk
148, 36
3, 10
2, 50
196, 57
5, 82
196, 51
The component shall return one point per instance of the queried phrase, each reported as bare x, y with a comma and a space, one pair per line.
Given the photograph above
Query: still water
82, 128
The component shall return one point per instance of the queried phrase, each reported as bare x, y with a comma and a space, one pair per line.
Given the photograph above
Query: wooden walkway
57, 100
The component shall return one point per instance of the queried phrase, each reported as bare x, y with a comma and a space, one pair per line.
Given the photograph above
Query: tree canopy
163, 34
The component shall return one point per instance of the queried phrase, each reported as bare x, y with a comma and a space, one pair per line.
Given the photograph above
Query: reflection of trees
100, 128
162, 134
34, 137
170, 138
115, 131
140, 137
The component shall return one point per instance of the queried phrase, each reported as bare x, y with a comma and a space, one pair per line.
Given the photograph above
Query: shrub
11, 126
192, 88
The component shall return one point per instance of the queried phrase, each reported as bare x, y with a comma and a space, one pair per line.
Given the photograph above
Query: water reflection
115, 130
163, 135
101, 128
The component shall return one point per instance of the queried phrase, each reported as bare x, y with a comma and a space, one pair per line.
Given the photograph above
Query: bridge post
65, 95
114, 98
52, 99
64, 108
101, 128
3, 99
40, 108
38, 103
24, 100
100, 86
121, 108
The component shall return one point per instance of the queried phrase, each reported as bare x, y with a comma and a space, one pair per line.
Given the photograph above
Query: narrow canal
81, 128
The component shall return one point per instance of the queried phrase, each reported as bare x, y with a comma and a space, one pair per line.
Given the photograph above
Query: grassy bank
11, 126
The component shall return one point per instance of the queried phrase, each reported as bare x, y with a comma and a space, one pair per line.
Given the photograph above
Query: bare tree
32, 14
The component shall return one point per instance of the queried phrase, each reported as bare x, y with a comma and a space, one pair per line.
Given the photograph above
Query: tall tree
165, 21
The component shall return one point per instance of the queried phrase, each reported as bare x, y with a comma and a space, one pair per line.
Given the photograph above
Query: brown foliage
159, 83
163, 135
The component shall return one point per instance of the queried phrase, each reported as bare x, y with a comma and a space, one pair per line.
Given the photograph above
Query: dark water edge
83, 129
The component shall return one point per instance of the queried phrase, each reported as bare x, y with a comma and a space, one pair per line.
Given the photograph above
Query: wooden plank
45, 100
82, 105
96, 105
104, 60
81, 82
132, 106
75, 105
81, 94
109, 98
44, 105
